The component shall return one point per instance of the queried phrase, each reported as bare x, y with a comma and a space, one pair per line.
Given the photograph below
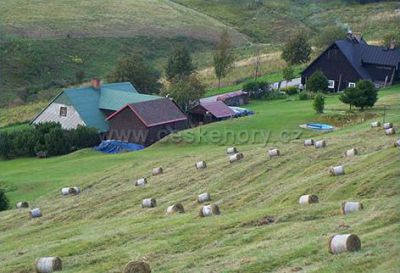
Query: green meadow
104, 227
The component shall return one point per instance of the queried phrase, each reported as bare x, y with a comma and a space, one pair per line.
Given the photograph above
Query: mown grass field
104, 227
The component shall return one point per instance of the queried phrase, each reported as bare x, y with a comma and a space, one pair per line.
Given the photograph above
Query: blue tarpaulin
241, 112
116, 146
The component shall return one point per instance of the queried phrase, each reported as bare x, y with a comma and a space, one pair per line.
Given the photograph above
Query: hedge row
46, 139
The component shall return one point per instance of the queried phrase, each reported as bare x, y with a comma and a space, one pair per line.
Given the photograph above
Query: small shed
146, 122
206, 112
236, 98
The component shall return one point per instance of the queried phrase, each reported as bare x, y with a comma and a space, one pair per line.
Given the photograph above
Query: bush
24, 142
319, 103
363, 95
317, 82
56, 142
305, 96
83, 137
4, 203
291, 90
275, 95
5, 145
257, 90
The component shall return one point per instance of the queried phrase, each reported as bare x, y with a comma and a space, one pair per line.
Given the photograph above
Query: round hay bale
236, 157
344, 242
141, 182
397, 143
309, 142
22, 205
35, 213
352, 152
273, 153
70, 190
157, 171
209, 210
149, 203
177, 208
308, 199
390, 131
387, 125
48, 264
137, 267
375, 124
336, 170
231, 150
201, 165
204, 197
320, 144
349, 207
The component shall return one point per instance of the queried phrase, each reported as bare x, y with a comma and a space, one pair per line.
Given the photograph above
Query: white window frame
331, 84
352, 84
63, 109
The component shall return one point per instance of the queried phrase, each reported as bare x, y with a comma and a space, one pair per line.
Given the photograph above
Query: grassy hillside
104, 227
44, 43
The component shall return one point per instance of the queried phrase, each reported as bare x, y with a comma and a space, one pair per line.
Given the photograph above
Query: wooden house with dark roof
347, 61
206, 112
146, 122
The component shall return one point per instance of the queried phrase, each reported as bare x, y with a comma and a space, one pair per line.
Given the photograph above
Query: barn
347, 61
146, 122
237, 98
206, 112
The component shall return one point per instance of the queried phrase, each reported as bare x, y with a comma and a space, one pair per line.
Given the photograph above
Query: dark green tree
56, 142
136, 70
297, 50
288, 73
223, 57
363, 95
319, 103
5, 145
317, 82
179, 64
4, 202
185, 91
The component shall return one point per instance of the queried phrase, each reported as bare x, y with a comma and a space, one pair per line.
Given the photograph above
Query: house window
331, 84
63, 111
352, 84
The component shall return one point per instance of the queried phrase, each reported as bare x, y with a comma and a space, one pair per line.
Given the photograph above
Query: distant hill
43, 43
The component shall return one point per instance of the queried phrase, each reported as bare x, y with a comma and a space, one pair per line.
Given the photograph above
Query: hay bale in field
48, 264
273, 153
352, 152
209, 210
344, 242
320, 144
137, 267
387, 125
176, 208
231, 150
336, 170
397, 143
309, 142
35, 213
149, 203
141, 182
22, 205
157, 171
308, 199
390, 131
236, 157
375, 124
348, 207
200, 165
204, 197
70, 190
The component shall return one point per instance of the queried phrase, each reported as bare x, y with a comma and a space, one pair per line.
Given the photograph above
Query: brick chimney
96, 83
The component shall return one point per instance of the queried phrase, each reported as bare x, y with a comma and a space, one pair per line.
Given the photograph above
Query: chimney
392, 44
350, 35
96, 84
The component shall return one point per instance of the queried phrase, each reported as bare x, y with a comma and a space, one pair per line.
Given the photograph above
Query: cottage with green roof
90, 106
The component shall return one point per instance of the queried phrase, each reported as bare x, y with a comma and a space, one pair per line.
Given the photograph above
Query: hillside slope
104, 227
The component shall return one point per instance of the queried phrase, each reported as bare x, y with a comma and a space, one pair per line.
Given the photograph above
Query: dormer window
63, 111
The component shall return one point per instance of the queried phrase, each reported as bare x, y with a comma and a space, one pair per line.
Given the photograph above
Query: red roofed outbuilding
146, 122
206, 112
